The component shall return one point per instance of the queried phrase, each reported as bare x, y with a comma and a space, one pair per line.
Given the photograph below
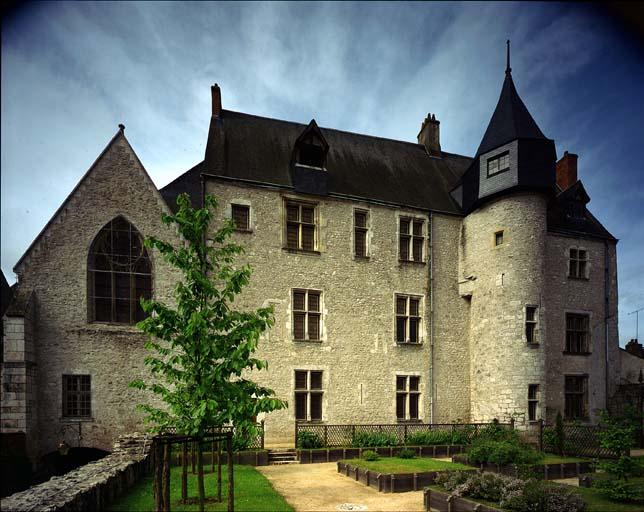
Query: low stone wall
335, 454
91, 487
539, 471
248, 457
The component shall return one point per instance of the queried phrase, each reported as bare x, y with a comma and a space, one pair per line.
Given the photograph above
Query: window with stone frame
498, 164
577, 333
307, 315
360, 233
408, 319
301, 226
240, 213
531, 322
411, 243
308, 395
119, 274
578, 264
77, 396
407, 397
533, 402
576, 397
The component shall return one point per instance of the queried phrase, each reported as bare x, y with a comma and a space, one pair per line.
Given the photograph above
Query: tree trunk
219, 471
158, 465
166, 478
184, 473
202, 495
231, 484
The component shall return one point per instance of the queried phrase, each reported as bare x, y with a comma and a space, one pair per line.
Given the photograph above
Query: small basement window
498, 237
498, 164
240, 214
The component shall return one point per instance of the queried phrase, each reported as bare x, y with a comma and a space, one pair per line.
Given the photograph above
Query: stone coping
390, 482
317, 455
89, 487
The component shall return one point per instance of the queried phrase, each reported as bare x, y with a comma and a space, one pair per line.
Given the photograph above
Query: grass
596, 502
398, 465
557, 459
253, 492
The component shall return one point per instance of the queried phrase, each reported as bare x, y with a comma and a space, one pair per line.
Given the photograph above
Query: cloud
72, 71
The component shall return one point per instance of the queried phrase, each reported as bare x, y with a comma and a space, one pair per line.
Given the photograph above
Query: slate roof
259, 149
511, 120
559, 220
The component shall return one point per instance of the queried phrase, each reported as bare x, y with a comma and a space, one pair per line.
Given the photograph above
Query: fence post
296, 433
231, 485
353, 433
262, 435
158, 467
405, 441
166, 477
512, 423
326, 432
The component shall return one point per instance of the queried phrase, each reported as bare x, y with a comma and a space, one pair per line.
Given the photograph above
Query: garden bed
443, 502
394, 482
543, 471
317, 455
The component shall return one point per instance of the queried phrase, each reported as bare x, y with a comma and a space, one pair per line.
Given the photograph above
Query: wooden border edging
444, 502
389, 482
318, 455
539, 471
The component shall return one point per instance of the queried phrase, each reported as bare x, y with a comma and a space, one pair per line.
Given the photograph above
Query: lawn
556, 459
398, 465
253, 492
598, 503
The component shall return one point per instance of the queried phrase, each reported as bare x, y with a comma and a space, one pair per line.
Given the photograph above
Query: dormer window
311, 156
498, 164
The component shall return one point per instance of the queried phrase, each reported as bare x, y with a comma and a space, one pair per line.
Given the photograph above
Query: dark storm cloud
72, 71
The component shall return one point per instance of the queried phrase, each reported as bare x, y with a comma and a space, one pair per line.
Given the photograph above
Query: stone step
285, 456
282, 462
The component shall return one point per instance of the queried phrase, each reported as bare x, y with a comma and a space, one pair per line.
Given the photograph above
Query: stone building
410, 284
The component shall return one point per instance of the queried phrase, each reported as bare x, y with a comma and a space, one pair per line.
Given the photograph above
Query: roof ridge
419, 146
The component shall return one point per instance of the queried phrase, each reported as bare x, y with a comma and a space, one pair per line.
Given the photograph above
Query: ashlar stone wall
357, 352
66, 341
501, 281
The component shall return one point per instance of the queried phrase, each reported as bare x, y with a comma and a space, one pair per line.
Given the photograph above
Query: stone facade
484, 265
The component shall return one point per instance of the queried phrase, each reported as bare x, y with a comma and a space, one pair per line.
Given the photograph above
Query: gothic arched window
119, 273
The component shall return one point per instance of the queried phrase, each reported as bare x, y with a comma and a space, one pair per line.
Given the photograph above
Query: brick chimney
567, 170
216, 100
429, 135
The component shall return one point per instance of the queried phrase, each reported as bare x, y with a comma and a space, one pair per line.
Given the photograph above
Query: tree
202, 349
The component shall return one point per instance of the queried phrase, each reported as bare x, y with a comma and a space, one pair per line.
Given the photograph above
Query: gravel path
319, 487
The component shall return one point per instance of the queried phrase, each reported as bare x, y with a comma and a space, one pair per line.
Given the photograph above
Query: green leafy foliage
201, 347
370, 455
616, 490
429, 438
502, 452
406, 453
309, 440
373, 439
618, 437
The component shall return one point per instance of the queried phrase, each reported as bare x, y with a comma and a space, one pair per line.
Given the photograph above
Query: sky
72, 71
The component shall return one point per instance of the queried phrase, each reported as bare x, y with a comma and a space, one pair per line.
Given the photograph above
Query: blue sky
72, 71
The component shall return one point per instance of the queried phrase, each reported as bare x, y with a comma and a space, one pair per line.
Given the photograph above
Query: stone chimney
216, 100
567, 170
429, 135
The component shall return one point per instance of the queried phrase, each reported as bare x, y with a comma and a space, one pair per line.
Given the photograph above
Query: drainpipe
431, 317
606, 316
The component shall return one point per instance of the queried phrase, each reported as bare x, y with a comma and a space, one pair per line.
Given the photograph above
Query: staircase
282, 456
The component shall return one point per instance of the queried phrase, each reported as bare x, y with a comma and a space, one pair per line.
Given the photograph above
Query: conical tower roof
511, 119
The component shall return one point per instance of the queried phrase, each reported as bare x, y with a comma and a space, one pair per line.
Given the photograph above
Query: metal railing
396, 434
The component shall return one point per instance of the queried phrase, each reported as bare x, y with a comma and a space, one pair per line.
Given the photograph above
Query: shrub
373, 439
449, 480
620, 491
429, 438
502, 452
463, 434
370, 455
241, 442
308, 440
539, 496
618, 437
406, 453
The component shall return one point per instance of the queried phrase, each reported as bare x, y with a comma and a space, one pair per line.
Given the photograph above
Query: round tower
505, 194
